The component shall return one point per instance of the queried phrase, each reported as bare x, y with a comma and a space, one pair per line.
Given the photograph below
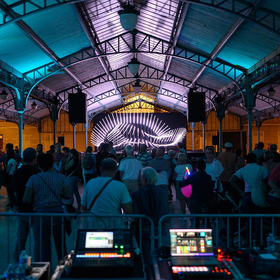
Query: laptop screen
191, 242
99, 239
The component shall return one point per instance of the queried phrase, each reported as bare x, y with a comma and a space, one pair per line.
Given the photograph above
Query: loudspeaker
196, 106
77, 107
215, 140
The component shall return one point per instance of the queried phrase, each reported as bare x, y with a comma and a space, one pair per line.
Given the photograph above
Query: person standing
228, 160
112, 199
58, 156
130, 169
20, 179
71, 168
163, 168
46, 191
89, 165
144, 156
10, 169
201, 184
251, 174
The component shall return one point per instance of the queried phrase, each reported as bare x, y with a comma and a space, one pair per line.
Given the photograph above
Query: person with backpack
89, 165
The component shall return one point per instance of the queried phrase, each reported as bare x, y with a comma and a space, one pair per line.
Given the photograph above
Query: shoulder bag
67, 220
95, 198
259, 193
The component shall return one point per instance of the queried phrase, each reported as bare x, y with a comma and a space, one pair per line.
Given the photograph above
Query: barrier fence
229, 231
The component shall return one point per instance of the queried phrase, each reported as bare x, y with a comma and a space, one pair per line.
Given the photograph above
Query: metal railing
79, 221
229, 230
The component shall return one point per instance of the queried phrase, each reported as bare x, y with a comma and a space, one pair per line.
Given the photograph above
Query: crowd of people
129, 183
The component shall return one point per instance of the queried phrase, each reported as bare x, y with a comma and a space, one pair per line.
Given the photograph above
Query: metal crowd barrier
229, 230
79, 221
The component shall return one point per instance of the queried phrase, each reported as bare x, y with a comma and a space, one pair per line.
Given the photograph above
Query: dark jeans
275, 202
23, 227
10, 191
251, 208
42, 238
198, 206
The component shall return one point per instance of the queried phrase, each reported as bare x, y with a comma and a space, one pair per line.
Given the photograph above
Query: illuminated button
116, 246
205, 268
183, 268
188, 269
179, 268
192, 268
121, 246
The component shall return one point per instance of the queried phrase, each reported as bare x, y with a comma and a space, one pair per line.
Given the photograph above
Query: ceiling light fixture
271, 91
128, 17
34, 105
134, 66
137, 86
4, 95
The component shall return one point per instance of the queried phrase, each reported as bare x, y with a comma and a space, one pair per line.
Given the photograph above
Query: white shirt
181, 171
108, 203
251, 175
162, 178
131, 168
214, 169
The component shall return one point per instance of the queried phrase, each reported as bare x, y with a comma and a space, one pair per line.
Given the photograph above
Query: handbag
67, 220
259, 194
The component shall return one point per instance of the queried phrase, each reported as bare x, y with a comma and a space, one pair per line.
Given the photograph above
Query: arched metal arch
145, 72
106, 49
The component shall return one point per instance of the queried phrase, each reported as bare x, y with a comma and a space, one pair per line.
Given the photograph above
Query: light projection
137, 128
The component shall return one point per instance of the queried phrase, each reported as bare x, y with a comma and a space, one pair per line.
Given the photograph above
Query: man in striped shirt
144, 157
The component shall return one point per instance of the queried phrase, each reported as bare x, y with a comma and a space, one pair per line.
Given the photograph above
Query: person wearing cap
228, 160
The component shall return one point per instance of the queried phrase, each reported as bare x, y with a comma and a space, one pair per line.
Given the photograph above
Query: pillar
203, 134
74, 135
241, 138
20, 132
258, 124
250, 103
40, 130
220, 115
54, 117
193, 125
86, 126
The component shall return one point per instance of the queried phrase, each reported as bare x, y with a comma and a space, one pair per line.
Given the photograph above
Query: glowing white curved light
135, 128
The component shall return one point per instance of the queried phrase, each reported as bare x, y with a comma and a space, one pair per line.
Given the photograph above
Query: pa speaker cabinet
196, 106
77, 108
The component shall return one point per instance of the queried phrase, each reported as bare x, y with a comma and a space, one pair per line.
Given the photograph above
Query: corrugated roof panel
64, 34
88, 69
249, 45
18, 51
204, 27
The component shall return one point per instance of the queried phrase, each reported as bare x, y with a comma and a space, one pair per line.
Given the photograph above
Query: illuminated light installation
135, 128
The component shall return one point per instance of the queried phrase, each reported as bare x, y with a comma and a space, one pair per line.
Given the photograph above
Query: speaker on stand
77, 107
